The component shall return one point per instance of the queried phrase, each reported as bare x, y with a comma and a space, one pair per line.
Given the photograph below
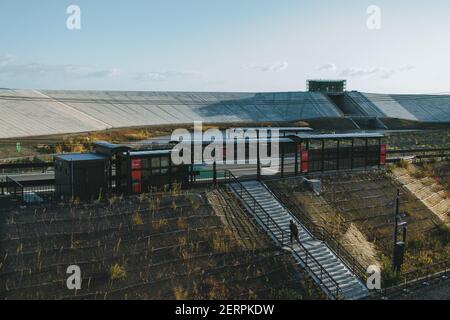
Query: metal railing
28, 192
308, 260
30, 165
417, 150
417, 155
416, 279
14, 188
324, 235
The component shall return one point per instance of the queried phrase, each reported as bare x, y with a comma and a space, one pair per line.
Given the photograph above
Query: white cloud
407, 68
382, 72
6, 59
327, 67
165, 75
359, 72
387, 74
10, 68
269, 67
85, 71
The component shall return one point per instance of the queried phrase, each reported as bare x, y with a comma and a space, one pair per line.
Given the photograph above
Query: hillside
182, 245
358, 209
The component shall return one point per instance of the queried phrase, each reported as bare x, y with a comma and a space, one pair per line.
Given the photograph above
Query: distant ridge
26, 113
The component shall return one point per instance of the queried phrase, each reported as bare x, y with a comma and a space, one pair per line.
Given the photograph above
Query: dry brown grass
207, 262
363, 203
182, 223
117, 272
136, 219
157, 225
180, 293
224, 241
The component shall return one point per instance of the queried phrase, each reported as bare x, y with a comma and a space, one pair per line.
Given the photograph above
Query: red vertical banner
136, 175
383, 153
136, 164
305, 161
299, 155
137, 188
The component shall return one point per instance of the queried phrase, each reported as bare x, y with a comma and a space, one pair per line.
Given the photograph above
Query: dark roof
151, 152
109, 148
326, 80
301, 136
339, 135
281, 129
240, 140
109, 145
81, 157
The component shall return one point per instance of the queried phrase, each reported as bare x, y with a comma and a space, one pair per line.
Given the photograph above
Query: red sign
305, 167
305, 161
137, 188
136, 175
383, 152
305, 156
136, 164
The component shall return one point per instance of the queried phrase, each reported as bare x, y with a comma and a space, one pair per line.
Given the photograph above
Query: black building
327, 86
120, 169
302, 153
84, 176
143, 171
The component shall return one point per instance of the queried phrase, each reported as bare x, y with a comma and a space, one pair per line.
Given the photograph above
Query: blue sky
227, 45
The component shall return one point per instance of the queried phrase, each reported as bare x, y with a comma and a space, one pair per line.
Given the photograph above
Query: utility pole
215, 173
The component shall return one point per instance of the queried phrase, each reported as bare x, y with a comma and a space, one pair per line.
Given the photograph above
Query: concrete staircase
315, 256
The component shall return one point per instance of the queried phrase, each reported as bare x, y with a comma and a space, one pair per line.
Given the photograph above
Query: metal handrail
322, 234
16, 185
397, 151
323, 272
411, 279
441, 266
